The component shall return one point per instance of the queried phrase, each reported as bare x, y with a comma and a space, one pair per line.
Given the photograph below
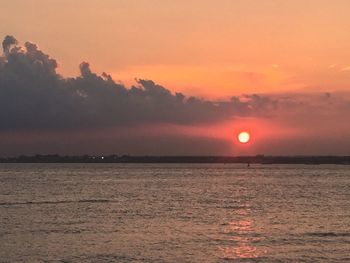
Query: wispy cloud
346, 68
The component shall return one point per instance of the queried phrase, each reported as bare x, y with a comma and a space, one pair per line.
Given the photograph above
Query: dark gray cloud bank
34, 96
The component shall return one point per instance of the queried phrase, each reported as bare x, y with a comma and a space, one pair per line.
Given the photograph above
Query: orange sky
207, 48
291, 51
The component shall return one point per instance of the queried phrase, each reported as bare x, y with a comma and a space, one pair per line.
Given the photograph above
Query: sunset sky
279, 69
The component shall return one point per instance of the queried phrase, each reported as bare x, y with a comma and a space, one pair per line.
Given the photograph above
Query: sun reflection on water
240, 236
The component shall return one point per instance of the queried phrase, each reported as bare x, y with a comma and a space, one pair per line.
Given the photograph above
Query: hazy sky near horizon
294, 54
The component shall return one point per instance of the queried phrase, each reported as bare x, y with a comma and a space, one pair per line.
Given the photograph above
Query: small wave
102, 258
328, 234
234, 207
57, 202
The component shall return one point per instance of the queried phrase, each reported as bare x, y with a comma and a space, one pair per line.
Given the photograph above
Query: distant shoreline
258, 159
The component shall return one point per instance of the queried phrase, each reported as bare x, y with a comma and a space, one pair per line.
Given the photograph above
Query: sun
243, 137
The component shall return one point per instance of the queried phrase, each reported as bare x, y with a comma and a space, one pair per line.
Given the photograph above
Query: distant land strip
258, 159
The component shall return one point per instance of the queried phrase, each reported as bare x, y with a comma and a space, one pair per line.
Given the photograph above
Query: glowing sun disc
244, 137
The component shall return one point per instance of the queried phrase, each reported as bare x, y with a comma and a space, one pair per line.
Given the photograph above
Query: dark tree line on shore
258, 159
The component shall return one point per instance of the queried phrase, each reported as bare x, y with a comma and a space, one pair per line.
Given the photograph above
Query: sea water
174, 213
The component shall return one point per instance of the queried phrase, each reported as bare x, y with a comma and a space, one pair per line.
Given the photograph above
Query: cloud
41, 111
347, 68
8, 42
34, 96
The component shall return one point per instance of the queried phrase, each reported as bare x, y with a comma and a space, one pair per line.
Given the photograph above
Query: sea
174, 213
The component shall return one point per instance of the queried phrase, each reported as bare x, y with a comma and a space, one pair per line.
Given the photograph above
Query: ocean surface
174, 213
